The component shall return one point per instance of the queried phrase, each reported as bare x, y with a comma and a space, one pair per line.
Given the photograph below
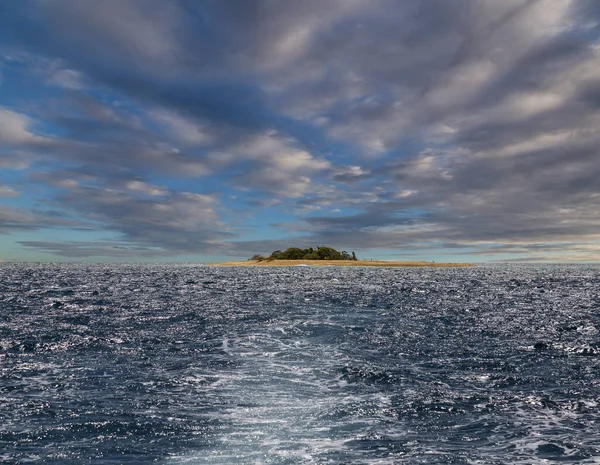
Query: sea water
178, 364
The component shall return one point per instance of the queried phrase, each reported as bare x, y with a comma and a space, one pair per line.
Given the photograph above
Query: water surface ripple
182, 364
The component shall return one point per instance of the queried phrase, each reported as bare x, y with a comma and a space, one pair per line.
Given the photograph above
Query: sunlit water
189, 364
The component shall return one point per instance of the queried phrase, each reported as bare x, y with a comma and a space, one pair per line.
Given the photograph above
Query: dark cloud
100, 249
145, 214
350, 174
14, 220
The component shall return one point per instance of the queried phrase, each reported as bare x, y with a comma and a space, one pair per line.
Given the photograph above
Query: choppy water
189, 364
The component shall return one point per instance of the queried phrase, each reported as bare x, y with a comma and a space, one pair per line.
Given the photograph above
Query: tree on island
295, 253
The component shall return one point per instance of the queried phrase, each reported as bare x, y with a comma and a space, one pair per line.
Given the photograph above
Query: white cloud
14, 128
184, 130
144, 188
7, 191
404, 193
68, 78
281, 167
67, 183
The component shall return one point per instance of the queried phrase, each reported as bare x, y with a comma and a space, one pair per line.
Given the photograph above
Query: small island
325, 256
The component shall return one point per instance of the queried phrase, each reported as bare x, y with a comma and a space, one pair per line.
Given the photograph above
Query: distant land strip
379, 263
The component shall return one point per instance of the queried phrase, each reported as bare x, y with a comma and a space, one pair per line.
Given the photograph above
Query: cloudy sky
190, 130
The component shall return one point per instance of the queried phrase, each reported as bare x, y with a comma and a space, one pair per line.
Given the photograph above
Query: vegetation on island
295, 253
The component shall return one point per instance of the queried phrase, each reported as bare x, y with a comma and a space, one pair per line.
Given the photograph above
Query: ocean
182, 364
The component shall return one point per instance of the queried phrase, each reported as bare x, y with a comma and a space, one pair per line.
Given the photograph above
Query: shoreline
377, 263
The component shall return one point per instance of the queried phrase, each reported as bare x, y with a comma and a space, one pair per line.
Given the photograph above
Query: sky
182, 130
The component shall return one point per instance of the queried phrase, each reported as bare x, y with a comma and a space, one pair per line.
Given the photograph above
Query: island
326, 256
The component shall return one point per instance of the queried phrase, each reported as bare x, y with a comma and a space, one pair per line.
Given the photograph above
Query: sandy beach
379, 263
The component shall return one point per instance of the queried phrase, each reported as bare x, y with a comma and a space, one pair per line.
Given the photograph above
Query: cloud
14, 129
143, 31
103, 249
366, 124
350, 174
146, 215
7, 191
183, 129
277, 165
68, 79
14, 220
